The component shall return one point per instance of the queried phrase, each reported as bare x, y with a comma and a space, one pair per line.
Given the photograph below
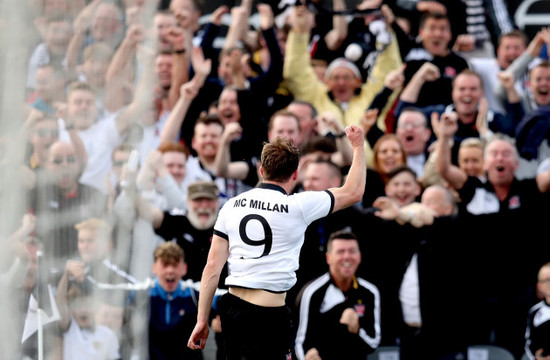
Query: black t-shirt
438, 91
194, 242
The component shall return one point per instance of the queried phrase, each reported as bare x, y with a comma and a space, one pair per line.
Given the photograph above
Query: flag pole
39, 310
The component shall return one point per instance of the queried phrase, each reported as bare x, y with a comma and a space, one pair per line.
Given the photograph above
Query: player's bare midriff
259, 297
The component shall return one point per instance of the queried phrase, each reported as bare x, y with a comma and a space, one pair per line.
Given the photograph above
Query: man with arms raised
260, 233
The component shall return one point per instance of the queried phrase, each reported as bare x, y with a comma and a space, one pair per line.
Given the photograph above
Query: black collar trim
271, 187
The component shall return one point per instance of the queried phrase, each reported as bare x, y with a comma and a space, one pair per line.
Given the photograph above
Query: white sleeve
315, 204
220, 228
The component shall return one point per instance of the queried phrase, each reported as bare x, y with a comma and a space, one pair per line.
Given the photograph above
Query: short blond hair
100, 227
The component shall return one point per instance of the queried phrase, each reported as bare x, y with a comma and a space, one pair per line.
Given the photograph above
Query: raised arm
336, 36
224, 167
328, 123
143, 97
119, 72
427, 72
520, 65
219, 252
188, 92
80, 25
298, 73
181, 43
74, 269
239, 25
354, 187
445, 130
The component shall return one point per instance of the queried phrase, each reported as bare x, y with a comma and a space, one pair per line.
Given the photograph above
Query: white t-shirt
84, 344
409, 294
151, 136
265, 229
228, 187
100, 140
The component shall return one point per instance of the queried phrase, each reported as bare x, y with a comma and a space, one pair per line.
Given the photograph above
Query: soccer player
260, 233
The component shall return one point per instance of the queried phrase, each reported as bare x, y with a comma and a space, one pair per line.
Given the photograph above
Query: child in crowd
82, 337
173, 306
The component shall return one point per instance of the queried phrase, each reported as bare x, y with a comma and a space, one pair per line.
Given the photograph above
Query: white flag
31, 321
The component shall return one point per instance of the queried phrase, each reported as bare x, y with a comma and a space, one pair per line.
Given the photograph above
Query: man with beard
192, 230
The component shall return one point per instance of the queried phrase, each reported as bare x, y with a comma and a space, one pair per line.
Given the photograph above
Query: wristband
179, 52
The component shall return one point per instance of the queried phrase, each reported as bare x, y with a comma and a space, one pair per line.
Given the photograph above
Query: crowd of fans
141, 120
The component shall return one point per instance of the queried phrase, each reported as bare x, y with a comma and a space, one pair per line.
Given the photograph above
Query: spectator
341, 301
163, 22
254, 91
470, 157
470, 160
187, 14
43, 131
95, 249
99, 137
206, 142
522, 66
192, 230
343, 78
282, 123
96, 60
402, 186
532, 131
50, 89
435, 35
307, 115
60, 201
82, 337
98, 22
388, 155
320, 175
173, 306
467, 92
425, 335
500, 162
414, 133
537, 335
162, 177
53, 50
115, 316
510, 47
506, 197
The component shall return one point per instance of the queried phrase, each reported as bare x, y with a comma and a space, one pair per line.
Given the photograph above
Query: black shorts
253, 332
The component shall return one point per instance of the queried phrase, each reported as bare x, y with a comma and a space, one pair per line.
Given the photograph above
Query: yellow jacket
303, 83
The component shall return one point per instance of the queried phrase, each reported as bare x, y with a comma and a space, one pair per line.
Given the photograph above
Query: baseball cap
203, 189
342, 62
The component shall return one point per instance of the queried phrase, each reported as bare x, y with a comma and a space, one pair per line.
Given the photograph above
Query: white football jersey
265, 229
